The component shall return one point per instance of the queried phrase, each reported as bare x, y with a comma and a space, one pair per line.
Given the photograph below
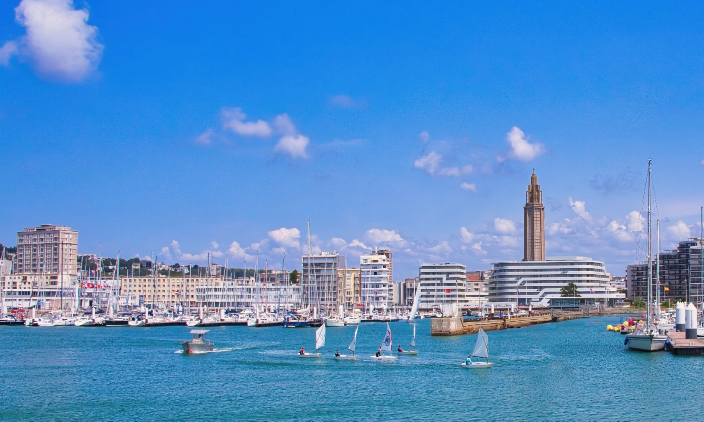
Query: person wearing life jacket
303, 351
399, 348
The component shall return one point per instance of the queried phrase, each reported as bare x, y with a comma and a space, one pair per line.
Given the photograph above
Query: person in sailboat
337, 353
303, 351
400, 349
378, 352
468, 361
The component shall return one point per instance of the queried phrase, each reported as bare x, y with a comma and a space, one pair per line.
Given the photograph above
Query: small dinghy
351, 348
319, 343
198, 343
412, 351
385, 347
481, 350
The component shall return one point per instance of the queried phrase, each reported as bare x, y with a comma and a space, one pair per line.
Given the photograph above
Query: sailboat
413, 351
414, 309
337, 320
351, 348
386, 346
646, 337
319, 343
481, 350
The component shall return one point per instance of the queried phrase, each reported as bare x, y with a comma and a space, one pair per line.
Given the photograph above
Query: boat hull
309, 355
383, 359
477, 365
646, 342
408, 353
296, 324
189, 347
334, 323
352, 321
346, 357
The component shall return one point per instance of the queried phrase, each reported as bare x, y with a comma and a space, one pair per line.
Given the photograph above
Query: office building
47, 249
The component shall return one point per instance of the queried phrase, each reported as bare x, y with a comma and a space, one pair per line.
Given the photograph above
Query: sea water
572, 370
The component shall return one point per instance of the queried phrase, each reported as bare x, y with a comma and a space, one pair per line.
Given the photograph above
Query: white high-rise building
375, 281
319, 281
540, 283
443, 284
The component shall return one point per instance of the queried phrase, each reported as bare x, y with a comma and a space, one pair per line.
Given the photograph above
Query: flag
667, 289
591, 290
447, 291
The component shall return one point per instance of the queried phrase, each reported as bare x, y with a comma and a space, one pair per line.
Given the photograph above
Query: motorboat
265, 320
352, 320
198, 344
118, 321
481, 350
45, 321
647, 339
193, 321
136, 320
10, 320
64, 321
295, 321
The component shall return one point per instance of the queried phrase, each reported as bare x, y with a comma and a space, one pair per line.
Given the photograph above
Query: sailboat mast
657, 271
650, 262
308, 284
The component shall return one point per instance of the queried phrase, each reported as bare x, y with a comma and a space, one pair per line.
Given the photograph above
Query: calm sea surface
572, 370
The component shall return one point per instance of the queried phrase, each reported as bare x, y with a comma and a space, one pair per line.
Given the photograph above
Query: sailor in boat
378, 352
400, 349
303, 351
337, 353
468, 361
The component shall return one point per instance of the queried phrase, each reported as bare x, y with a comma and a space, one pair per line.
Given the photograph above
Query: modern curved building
539, 283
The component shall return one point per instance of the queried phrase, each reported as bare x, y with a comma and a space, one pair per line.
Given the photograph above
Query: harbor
545, 372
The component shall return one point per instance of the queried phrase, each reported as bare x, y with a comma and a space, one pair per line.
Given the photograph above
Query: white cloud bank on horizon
58, 41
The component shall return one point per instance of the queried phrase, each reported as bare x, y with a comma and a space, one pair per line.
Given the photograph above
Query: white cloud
205, 137
58, 42
338, 242
477, 248
579, 208
503, 225
469, 186
214, 244
442, 247
467, 236
430, 163
293, 145
634, 221
286, 237
521, 149
425, 136
506, 241
8, 50
233, 119
381, 236
702, 162
679, 231
357, 243
284, 125
236, 251
554, 228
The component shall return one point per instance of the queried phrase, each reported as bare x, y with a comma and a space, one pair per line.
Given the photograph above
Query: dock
679, 345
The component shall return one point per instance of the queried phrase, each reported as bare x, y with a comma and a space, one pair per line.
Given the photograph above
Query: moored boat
198, 344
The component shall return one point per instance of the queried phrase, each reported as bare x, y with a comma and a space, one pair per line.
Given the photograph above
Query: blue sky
182, 128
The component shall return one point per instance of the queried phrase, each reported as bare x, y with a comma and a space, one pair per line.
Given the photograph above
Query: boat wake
226, 349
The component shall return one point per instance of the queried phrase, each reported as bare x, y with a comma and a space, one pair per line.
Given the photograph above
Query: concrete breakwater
454, 326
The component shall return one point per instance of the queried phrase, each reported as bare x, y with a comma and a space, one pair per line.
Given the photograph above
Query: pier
679, 345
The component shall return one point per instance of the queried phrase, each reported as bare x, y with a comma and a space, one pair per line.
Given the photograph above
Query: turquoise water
572, 370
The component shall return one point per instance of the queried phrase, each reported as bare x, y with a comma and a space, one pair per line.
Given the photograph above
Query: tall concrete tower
534, 223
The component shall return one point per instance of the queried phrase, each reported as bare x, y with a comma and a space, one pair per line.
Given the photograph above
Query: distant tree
569, 290
294, 277
638, 303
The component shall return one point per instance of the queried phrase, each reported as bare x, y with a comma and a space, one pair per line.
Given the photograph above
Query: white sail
320, 337
386, 344
416, 303
481, 348
353, 345
413, 342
